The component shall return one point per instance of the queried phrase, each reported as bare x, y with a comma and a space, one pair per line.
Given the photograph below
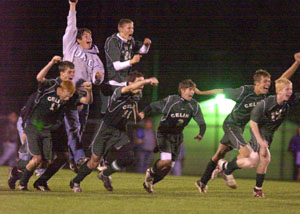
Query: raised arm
137, 85
88, 99
69, 38
146, 46
209, 92
42, 74
291, 70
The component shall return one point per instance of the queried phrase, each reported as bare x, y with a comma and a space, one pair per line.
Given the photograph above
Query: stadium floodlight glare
223, 104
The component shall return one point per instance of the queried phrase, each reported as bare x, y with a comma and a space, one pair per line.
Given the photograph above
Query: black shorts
233, 136
169, 143
255, 145
60, 139
107, 137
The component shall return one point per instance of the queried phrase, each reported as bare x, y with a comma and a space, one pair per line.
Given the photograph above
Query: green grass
173, 195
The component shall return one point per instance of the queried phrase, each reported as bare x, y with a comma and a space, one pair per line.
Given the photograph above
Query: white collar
124, 40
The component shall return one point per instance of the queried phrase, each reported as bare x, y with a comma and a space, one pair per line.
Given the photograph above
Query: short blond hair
281, 83
68, 86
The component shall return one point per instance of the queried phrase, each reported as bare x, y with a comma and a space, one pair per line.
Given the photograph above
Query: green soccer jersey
122, 109
118, 50
48, 112
269, 115
246, 100
177, 113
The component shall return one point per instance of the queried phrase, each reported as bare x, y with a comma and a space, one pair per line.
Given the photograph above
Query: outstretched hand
198, 137
153, 81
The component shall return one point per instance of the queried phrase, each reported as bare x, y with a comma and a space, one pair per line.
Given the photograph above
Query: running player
177, 112
45, 116
246, 97
112, 131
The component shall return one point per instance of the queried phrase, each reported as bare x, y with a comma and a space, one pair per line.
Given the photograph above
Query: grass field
173, 195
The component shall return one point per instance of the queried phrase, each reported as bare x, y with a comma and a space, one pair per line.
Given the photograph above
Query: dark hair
124, 21
62, 66
133, 75
81, 31
188, 83
260, 73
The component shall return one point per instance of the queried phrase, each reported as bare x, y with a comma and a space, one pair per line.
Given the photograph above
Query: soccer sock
25, 178
154, 170
208, 171
112, 168
259, 180
51, 170
231, 166
82, 173
163, 173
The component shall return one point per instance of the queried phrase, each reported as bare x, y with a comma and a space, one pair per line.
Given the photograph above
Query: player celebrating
45, 116
177, 112
246, 97
122, 51
78, 48
112, 130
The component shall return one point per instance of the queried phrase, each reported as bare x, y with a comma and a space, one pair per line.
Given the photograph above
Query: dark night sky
216, 43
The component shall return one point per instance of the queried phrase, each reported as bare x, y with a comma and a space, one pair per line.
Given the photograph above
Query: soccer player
123, 108
177, 112
265, 119
122, 51
45, 116
79, 49
246, 97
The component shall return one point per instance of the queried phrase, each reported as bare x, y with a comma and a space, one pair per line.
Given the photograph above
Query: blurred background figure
294, 147
179, 163
10, 141
145, 143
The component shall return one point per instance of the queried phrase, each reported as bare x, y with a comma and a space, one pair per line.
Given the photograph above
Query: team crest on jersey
276, 115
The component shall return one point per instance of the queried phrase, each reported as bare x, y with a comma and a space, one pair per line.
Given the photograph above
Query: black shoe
14, 175
75, 186
148, 183
41, 186
201, 187
22, 188
106, 181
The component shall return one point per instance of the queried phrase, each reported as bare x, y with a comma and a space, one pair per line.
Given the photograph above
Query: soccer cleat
106, 181
22, 188
14, 175
201, 187
41, 186
258, 193
230, 181
215, 173
75, 186
148, 183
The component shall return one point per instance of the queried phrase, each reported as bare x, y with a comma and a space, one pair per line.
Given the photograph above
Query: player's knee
254, 158
37, 160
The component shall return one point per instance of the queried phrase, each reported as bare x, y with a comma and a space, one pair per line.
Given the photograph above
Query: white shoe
230, 181
215, 173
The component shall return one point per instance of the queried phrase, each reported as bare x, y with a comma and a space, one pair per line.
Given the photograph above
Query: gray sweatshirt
86, 62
